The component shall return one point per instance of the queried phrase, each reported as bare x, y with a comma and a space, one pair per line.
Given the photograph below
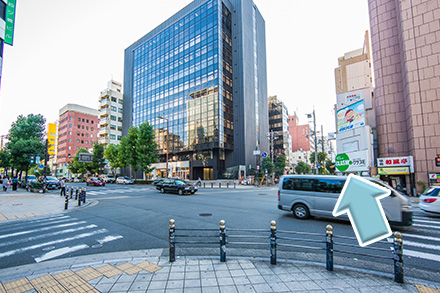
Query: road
124, 218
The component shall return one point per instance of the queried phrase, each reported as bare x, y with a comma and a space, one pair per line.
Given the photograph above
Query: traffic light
437, 161
32, 159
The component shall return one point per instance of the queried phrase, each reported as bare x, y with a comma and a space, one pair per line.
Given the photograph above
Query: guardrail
219, 185
274, 240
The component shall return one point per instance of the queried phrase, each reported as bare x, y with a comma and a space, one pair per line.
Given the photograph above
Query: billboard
51, 136
352, 162
351, 117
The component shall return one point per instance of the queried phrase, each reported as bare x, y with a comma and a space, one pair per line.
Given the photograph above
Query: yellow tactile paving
148, 266
69, 280
55, 289
2, 217
2, 289
88, 273
44, 282
129, 268
109, 271
84, 288
424, 289
21, 285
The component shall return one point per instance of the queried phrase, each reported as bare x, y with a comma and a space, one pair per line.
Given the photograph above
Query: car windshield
432, 191
31, 177
51, 178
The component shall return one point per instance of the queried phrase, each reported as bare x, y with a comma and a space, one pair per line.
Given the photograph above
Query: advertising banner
351, 117
352, 162
393, 170
10, 20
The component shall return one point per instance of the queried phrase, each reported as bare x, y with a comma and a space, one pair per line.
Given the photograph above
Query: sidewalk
150, 270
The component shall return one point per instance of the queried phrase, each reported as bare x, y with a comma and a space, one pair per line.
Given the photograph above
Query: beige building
110, 114
406, 56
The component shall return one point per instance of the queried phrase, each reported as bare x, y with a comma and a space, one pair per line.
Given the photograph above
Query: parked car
77, 179
430, 200
52, 182
177, 186
95, 181
109, 179
124, 180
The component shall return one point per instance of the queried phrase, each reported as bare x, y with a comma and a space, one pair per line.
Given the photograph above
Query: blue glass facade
183, 71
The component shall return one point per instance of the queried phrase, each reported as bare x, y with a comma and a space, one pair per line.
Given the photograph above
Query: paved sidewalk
150, 270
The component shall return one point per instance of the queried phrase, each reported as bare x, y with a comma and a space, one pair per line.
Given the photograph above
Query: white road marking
420, 237
41, 229
59, 252
428, 256
426, 226
20, 250
422, 245
109, 238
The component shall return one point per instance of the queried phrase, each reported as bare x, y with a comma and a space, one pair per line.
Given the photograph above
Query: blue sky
66, 51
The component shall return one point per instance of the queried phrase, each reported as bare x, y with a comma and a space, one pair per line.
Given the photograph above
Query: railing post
273, 242
329, 247
76, 193
398, 258
222, 241
172, 242
66, 202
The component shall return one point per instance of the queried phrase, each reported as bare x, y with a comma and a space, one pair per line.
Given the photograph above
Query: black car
176, 186
52, 183
158, 183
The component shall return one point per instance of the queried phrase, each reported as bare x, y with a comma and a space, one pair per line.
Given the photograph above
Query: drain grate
205, 215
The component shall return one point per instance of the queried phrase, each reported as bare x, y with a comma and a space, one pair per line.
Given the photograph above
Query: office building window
114, 99
113, 118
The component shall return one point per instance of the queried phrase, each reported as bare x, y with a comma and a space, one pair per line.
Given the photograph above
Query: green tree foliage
5, 158
98, 161
330, 166
138, 149
112, 155
26, 139
77, 167
280, 165
302, 168
267, 164
322, 156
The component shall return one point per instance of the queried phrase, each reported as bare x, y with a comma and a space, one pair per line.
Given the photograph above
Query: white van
316, 195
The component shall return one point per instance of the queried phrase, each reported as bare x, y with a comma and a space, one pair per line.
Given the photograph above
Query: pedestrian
199, 182
14, 183
63, 187
5, 183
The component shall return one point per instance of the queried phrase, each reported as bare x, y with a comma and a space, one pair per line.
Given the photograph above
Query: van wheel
300, 211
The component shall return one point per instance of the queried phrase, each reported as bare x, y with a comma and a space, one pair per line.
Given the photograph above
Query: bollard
204, 185
222, 241
66, 203
273, 242
71, 191
79, 198
398, 258
219, 185
329, 247
84, 196
212, 185
234, 184
76, 193
227, 184
172, 232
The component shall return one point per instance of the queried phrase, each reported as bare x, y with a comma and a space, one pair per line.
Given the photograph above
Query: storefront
175, 170
398, 172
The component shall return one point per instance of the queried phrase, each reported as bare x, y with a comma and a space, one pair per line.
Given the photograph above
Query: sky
66, 51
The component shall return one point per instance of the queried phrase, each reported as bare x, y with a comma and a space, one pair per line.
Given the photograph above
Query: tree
267, 164
98, 161
322, 156
330, 166
112, 155
302, 168
27, 128
21, 152
77, 167
138, 149
5, 158
280, 165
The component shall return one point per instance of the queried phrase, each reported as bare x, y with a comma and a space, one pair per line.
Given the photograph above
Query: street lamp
161, 117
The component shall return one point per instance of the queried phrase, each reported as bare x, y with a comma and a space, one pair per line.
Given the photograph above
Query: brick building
78, 128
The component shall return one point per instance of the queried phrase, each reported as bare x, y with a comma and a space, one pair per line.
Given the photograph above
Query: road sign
256, 152
37, 160
85, 157
360, 200
41, 166
264, 155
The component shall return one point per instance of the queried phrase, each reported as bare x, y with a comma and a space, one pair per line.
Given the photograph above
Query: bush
36, 185
143, 182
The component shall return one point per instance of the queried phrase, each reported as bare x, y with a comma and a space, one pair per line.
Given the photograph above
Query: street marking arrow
360, 200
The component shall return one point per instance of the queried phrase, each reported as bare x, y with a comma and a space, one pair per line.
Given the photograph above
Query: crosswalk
118, 191
47, 238
422, 239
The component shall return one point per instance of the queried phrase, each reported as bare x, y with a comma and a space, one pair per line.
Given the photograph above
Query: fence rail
254, 237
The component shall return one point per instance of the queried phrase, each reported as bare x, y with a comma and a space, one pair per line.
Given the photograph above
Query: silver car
124, 180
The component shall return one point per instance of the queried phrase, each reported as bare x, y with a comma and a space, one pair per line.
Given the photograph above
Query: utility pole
316, 144
322, 138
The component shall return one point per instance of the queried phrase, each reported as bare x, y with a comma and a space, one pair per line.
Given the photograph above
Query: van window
329, 185
301, 184
318, 185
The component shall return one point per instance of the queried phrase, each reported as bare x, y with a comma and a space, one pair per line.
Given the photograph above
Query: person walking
199, 182
63, 187
14, 183
5, 183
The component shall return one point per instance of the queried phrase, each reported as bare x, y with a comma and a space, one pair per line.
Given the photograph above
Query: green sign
10, 19
342, 162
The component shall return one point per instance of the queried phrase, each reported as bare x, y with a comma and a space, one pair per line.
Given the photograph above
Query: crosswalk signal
32, 159
437, 161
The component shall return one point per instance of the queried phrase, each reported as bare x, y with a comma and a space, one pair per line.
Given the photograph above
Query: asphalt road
136, 217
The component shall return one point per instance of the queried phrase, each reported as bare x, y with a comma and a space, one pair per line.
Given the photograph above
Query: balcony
104, 131
104, 112
104, 121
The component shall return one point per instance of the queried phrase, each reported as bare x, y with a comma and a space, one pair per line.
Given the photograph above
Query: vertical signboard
351, 117
51, 136
10, 20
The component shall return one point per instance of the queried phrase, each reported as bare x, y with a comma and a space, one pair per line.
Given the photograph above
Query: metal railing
275, 240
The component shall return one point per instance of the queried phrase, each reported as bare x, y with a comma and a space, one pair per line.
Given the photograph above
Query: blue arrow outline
386, 192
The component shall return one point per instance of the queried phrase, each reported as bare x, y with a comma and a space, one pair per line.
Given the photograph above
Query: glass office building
186, 77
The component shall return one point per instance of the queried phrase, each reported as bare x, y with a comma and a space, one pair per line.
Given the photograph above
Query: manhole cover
48, 248
97, 246
205, 215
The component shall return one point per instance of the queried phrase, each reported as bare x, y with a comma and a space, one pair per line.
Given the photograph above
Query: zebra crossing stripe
428, 256
421, 245
109, 238
420, 237
20, 250
59, 252
41, 229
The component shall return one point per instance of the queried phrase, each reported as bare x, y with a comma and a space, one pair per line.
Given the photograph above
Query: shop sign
352, 162
393, 170
393, 162
434, 176
351, 117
